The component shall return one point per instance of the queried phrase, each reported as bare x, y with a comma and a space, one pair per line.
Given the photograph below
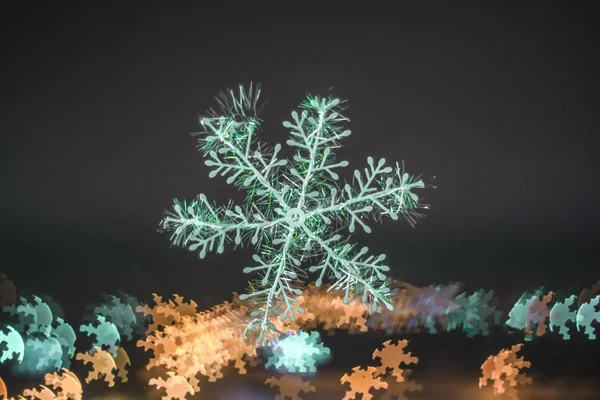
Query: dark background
498, 101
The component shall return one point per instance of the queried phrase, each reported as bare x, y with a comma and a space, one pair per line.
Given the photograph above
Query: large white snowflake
294, 210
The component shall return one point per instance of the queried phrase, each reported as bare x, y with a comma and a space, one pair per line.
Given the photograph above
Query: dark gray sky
500, 102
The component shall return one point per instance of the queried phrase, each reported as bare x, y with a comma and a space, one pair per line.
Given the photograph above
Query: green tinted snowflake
561, 314
106, 334
298, 352
294, 210
586, 315
474, 313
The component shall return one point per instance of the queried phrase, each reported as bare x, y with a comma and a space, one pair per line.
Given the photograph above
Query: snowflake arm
201, 225
229, 144
277, 273
229, 159
354, 272
381, 190
315, 133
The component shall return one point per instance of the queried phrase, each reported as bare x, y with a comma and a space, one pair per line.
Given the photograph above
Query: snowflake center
295, 217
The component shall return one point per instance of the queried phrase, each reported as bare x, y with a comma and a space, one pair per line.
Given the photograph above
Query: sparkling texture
294, 209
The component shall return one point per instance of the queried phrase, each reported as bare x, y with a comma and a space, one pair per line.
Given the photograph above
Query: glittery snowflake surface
294, 209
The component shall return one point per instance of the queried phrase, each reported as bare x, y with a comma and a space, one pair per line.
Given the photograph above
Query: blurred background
496, 103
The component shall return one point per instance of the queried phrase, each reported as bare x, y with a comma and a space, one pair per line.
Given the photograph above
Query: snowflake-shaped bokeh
294, 210
298, 352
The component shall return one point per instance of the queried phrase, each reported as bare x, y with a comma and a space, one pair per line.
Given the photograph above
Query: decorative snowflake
290, 386
392, 356
362, 381
293, 210
474, 313
298, 352
586, 315
105, 332
561, 313
505, 370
